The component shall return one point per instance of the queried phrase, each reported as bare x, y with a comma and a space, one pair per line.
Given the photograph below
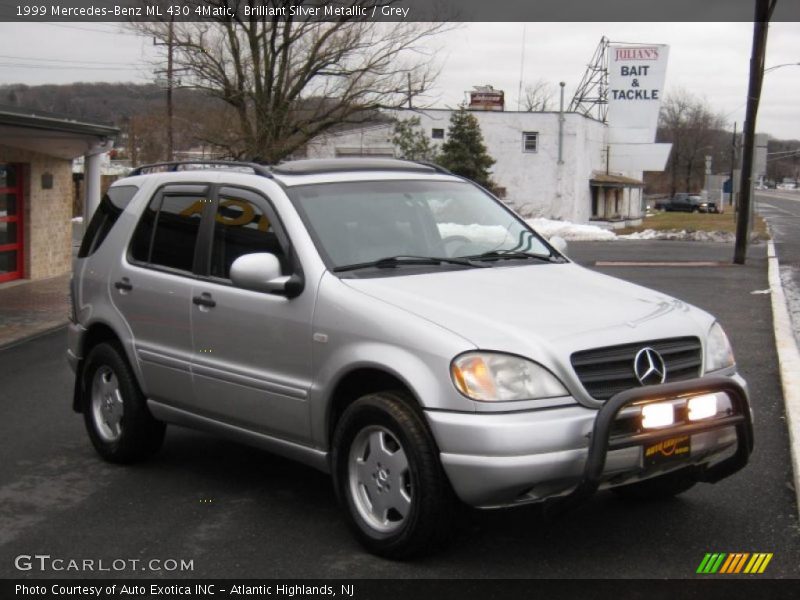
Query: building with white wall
525, 146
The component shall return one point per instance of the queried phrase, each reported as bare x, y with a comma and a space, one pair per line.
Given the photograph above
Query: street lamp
797, 64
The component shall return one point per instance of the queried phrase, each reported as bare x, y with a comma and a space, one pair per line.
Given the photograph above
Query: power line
118, 31
66, 67
57, 60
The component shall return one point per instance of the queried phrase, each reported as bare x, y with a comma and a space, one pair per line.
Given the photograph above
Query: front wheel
389, 479
115, 412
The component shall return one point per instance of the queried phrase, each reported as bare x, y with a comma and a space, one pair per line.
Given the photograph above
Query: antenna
521, 67
591, 97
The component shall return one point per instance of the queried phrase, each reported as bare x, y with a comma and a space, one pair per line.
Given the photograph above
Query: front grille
608, 371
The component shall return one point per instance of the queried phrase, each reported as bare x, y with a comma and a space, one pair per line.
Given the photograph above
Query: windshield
360, 222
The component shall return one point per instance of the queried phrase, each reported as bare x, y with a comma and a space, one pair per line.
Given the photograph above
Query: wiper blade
511, 255
394, 261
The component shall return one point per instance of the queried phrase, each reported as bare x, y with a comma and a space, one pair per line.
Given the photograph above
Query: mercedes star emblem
649, 367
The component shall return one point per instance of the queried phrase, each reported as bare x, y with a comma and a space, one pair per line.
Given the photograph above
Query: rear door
252, 350
152, 289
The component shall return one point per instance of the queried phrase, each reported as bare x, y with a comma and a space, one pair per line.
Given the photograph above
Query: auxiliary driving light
657, 415
702, 407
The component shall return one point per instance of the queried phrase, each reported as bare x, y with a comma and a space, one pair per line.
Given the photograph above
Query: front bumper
568, 453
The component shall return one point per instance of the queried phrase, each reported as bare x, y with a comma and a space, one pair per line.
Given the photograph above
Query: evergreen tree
411, 141
464, 152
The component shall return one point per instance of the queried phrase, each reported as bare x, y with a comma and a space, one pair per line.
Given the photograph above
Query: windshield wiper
394, 261
511, 255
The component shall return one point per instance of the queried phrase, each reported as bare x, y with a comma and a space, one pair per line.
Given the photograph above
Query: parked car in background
683, 202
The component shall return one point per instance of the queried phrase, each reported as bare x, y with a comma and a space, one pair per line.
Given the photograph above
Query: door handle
204, 299
124, 285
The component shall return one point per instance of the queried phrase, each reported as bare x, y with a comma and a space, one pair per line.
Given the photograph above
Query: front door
252, 350
12, 257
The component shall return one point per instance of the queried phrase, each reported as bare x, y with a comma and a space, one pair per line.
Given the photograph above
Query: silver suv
398, 327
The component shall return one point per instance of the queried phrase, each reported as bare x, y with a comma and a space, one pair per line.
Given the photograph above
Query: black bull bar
601, 440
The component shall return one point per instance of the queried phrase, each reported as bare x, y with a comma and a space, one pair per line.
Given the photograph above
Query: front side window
167, 231
242, 226
358, 222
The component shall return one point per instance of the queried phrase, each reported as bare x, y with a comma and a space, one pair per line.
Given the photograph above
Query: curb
788, 360
33, 336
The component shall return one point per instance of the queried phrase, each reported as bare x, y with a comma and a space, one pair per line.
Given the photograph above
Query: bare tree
538, 97
287, 80
693, 128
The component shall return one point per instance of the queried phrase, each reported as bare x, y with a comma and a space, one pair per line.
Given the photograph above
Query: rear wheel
115, 412
657, 488
389, 479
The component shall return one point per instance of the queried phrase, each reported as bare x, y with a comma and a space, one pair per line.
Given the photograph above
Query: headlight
491, 376
719, 354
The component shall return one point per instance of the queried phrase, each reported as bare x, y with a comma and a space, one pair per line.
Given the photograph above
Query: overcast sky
708, 59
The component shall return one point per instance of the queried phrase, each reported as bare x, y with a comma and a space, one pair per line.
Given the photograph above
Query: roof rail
185, 165
434, 166
316, 166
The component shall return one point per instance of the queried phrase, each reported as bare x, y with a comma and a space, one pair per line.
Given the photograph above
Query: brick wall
48, 228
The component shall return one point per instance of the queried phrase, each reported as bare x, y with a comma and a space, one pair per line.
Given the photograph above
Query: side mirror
559, 244
261, 272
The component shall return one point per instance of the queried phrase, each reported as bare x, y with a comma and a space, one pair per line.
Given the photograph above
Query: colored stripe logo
734, 563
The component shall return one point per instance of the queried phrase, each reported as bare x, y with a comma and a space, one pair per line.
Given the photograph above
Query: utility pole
170, 72
733, 164
763, 12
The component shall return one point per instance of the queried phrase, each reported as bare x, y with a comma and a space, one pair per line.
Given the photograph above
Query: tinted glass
241, 227
8, 176
176, 231
140, 243
8, 233
8, 205
365, 221
8, 262
111, 207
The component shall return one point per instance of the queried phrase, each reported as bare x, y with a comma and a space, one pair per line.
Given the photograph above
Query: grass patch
667, 221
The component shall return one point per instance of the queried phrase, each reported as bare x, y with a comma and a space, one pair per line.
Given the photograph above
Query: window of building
242, 226
437, 134
530, 141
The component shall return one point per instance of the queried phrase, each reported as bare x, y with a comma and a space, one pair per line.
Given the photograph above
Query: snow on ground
571, 231
674, 234
576, 232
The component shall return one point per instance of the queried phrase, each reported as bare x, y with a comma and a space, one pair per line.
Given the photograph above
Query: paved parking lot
240, 512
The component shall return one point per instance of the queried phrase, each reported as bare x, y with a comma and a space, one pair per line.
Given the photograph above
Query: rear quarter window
111, 207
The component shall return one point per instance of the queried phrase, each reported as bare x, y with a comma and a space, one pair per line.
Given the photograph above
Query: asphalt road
240, 512
781, 210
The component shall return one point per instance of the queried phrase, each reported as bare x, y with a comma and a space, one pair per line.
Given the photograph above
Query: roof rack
186, 165
434, 166
336, 165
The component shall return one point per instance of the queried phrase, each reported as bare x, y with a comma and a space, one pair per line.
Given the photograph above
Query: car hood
544, 311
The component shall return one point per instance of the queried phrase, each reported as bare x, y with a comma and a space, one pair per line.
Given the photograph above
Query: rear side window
111, 207
167, 232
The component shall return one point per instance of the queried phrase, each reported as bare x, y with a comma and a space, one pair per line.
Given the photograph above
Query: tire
383, 450
115, 413
657, 488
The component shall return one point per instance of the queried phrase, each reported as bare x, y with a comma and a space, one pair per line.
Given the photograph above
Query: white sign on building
636, 75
